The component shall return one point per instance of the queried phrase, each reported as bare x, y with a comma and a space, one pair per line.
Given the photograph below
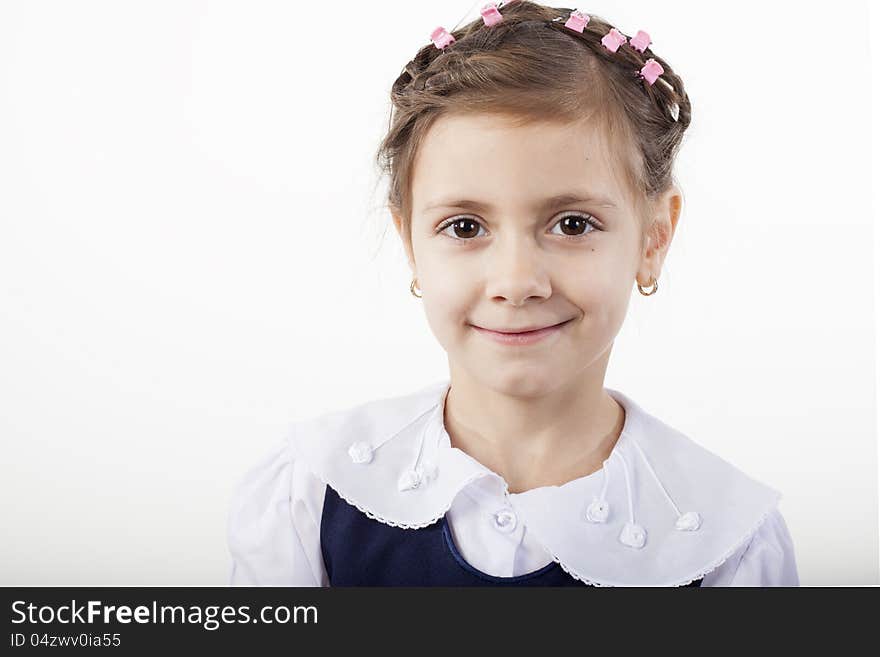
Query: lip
524, 338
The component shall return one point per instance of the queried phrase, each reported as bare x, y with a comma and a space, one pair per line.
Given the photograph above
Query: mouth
521, 337
523, 331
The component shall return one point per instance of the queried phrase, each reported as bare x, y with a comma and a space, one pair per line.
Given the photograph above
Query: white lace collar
663, 510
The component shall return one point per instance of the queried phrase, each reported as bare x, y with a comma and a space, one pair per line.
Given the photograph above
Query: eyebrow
552, 202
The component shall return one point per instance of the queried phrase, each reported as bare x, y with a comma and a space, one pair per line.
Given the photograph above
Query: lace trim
702, 573
392, 523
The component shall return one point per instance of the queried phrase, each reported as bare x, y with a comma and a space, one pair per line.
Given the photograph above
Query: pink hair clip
441, 37
640, 41
491, 15
651, 71
577, 21
613, 40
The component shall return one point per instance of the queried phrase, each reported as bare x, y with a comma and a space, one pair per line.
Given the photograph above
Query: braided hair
530, 67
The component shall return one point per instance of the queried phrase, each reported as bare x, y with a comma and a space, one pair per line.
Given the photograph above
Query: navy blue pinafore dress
361, 551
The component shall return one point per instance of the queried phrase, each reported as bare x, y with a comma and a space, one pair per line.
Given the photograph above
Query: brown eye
463, 229
574, 225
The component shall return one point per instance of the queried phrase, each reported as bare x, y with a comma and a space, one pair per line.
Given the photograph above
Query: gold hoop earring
653, 289
412, 289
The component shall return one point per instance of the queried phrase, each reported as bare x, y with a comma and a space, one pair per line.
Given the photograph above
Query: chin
521, 382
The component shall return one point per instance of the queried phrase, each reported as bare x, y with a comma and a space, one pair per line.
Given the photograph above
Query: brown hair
531, 68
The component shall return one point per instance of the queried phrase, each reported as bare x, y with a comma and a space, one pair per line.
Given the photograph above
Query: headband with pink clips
577, 21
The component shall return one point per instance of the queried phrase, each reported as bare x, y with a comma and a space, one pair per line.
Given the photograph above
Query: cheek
449, 295
601, 291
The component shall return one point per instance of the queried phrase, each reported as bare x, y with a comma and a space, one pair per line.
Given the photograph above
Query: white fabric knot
633, 535
409, 480
598, 511
361, 452
688, 522
505, 520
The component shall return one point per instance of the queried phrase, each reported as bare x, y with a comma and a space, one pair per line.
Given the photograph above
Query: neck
541, 440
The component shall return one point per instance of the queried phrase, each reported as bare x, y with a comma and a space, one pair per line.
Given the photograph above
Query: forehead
487, 157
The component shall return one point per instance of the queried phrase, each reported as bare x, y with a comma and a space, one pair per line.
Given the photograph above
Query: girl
530, 159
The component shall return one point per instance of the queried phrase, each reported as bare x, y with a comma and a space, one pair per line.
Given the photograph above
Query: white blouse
663, 511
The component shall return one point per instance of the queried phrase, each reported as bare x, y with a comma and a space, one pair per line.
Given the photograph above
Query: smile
524, 338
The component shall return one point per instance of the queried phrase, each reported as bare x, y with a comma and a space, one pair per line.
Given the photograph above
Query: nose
517, 270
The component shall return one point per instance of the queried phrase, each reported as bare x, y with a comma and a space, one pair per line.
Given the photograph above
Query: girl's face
491, 249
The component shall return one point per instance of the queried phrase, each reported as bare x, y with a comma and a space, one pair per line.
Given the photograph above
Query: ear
659, 236
404, 238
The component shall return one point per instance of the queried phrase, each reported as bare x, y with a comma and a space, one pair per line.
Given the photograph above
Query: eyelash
577, 238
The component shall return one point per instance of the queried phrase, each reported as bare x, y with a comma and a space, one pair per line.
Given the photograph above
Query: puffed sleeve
274, 523
765, 560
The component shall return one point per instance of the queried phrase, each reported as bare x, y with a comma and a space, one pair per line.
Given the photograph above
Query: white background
194, 252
